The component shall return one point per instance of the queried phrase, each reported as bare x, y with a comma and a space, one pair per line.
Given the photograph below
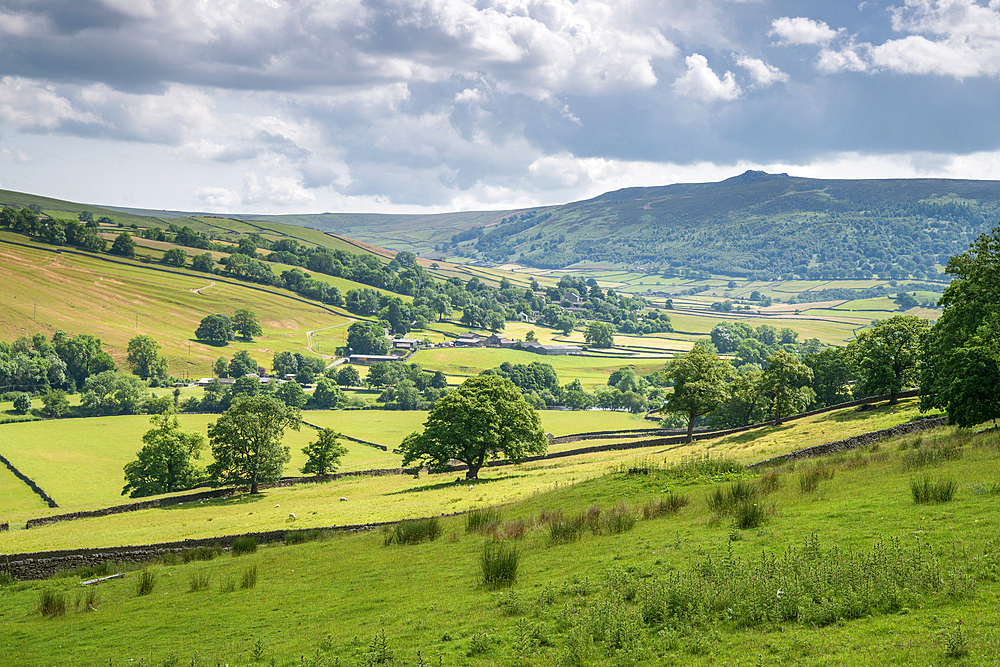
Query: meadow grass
82, 294
399, 497
592, 372
854, 574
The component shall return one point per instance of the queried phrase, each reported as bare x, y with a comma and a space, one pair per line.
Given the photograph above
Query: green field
45, 292
329, 600
591, 371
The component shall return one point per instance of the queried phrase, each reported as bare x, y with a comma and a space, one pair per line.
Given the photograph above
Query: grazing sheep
291, 515
343, 499
277, 506
470, 487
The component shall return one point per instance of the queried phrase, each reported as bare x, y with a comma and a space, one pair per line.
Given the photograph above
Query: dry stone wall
855, 441
30, 482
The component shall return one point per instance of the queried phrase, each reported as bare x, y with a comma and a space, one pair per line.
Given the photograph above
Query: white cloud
470, 96
275, 190
218, 199
801, 30
33, 106
955, 38
845, 59
763, 74
702, 84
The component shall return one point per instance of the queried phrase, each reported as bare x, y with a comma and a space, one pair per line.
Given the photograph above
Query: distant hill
756, 224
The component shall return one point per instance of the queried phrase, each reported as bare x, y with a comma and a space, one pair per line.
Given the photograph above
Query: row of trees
955, 361
246, 449
39, 365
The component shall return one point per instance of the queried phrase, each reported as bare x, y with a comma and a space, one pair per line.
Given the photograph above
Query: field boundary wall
854, 441
30, 482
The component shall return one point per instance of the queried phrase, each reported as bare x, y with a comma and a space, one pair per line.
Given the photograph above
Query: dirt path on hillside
309, 344
197, 290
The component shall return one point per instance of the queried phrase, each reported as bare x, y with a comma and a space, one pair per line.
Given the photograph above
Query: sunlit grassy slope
586, 602
371, 499
46, 291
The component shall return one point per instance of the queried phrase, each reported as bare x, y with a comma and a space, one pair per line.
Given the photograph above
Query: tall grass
808, 585
619, 519
412, 531
671, 503
199, 581
481, 519
809, 479
925, 490
244, 545
51, 603
146, 583
498, 564
249, 578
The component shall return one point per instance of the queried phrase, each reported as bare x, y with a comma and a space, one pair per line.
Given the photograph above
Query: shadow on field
459, 484
855, 415
751, 435
240, 499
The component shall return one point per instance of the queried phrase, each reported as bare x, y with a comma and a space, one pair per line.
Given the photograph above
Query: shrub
749, 515
199, 582
249, 579
413, 531
810, 479
669, 504
499, 564
146, 583
244, 545
201, 553
481, 519
925, 490
51, 603
619, 519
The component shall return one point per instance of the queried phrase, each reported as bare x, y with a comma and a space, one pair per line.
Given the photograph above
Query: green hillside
755, 224
847, 570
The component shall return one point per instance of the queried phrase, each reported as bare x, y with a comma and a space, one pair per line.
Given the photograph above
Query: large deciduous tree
485, 418
599, 334
786, 381
246, 325
700, 379
216, 329
143, 358
124, 245
246, 441
887, 355
164, 464
367, 338
961, 353
323, 456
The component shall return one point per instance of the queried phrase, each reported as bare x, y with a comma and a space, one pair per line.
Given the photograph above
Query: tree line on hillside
568, 304
955, 362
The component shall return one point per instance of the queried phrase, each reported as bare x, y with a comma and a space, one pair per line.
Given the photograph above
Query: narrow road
197, 290
309, 344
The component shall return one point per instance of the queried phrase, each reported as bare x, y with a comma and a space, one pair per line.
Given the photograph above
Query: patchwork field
46, 291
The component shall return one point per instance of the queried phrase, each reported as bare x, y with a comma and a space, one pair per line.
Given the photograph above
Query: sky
396, 106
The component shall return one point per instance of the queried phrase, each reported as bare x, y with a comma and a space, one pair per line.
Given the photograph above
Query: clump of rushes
498, 563
412, 531
481, 519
